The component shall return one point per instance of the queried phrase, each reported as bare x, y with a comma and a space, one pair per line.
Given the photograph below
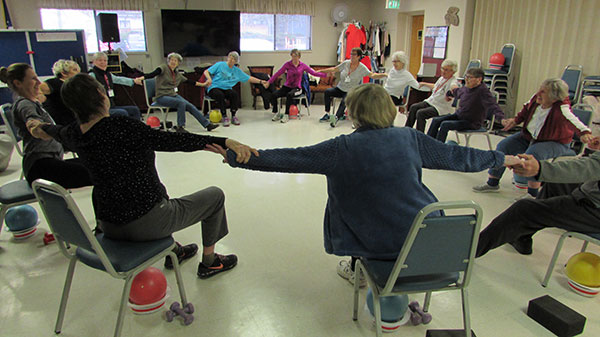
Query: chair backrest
508, 50
474, 63
11, 129
439, 243
66, 221
149, 90
261, 69
583, 112
572, 76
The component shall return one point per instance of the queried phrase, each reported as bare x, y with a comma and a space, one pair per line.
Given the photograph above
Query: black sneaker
523, 245
211, 126
180, 129
221, 263
183, 253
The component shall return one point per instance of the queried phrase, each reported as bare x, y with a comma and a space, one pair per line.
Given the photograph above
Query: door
416, 43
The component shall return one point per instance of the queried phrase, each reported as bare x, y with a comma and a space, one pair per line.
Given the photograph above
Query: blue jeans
130, 111
181, 104
441, 125
516, 144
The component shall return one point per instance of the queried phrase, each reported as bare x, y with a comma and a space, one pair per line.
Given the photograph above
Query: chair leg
254, 102
357, 271
467, 140
489, 141
65, 295
377, 309
180, 285
466, 312
123, 304
427, 301
583, 247
3, 210
554, 258
457, 137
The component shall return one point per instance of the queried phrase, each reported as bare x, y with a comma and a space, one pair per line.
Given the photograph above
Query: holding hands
508, 124
35, 128
243, 151
138, 80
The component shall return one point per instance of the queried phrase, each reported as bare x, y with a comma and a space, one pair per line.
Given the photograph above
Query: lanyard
173, 76
441, 85
106, 79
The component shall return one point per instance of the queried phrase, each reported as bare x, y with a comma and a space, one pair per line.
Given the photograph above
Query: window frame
275, 50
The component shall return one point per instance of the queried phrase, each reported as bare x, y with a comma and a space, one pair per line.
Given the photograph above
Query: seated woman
548, 125
436, 104
399, 78
291, 88
63, 70
131, 202
167, 79
367, 215
351, 76
43, 156
221, 77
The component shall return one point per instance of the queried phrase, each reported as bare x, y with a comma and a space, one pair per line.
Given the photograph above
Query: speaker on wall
107, 25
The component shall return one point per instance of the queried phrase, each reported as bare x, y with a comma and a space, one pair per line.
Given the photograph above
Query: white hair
400, 56
235, 56
62, 66
177, 56
450, 63
99, 55
558, 89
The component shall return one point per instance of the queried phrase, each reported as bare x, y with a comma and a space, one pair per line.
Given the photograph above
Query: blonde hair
371, 105
558, 89
63, 66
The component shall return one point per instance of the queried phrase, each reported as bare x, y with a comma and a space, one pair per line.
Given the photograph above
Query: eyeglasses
447, 69
353, 54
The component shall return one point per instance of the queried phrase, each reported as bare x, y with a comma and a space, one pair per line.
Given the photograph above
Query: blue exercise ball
20, 218
392, 307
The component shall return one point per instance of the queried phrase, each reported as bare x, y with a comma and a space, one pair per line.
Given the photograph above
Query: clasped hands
35, 128
243, 152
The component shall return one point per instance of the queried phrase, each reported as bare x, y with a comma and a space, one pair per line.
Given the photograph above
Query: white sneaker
285, 119
345, 271
277, 116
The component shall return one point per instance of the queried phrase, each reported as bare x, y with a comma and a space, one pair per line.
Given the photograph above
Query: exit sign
392, 4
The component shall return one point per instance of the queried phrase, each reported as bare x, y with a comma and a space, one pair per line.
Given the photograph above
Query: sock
532, 191
208, 260
493, 181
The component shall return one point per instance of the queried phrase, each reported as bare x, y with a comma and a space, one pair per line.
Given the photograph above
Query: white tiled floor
285, 284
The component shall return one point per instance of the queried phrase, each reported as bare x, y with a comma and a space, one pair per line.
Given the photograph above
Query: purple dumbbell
186, 313
415, 308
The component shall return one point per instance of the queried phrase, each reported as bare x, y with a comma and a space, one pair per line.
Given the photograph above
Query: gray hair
370, 105
235, 56
177, 56
558, 89
400, 56
450, 63
62, 66
99, 55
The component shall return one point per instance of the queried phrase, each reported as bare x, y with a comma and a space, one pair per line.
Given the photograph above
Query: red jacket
559, 125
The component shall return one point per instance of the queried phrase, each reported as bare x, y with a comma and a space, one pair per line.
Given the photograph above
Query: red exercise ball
497, 61
153, 122
293, 110
149, 286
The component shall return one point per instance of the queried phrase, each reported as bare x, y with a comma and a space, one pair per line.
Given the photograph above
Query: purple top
294, 74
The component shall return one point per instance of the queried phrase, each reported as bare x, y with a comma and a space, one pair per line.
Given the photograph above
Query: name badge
111, 93
348, 80
176, 89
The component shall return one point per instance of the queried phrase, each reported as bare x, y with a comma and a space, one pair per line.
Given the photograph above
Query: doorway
416, 44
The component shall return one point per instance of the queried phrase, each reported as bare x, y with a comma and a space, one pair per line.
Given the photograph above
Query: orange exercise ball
293, 110
149, 286
153, 122
497, 61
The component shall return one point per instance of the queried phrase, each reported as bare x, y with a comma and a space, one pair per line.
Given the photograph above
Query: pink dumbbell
185, 313
415, 308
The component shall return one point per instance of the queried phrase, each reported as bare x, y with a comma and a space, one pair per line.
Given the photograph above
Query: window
131, 27
267, 32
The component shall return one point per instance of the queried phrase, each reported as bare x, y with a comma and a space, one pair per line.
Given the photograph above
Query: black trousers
420, 112
67, 173
328, 97
220, 95
289, 94
525, 217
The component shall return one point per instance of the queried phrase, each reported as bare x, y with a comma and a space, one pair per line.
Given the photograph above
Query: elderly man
100, 61
436, 104
220, 79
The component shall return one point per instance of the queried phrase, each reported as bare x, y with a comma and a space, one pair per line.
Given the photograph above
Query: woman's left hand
243, 151
586, 138
216, 148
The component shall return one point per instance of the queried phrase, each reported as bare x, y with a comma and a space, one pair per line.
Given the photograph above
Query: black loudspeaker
107, 25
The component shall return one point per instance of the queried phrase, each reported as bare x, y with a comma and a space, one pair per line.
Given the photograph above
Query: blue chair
503, 80
150, 94
584, 113
16, 192
572, 76
121, 259
474, 63
586, 237
437, 255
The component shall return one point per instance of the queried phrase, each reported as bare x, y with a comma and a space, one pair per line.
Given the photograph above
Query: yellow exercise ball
215, 116
584, 268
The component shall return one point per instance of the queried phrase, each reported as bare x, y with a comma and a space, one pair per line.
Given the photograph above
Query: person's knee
216, 193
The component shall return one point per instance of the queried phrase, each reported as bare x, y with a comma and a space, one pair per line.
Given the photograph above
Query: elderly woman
548, 126
43, 156
168, 78
293, 70
221, 77
436, 104
351, 76
399, 78
365, 215
63, 70
132, 204
108, 80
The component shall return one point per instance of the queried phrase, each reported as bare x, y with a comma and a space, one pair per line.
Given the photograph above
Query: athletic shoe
285, 119
211, 126
183, 253
235, 120
278, 116
486, 188
325, 118
334, 122
226, 122
345, 271
524, 196
221, 264
182, 129
523, 245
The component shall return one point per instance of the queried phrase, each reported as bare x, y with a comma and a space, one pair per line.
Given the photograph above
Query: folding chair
437, 255
485, 130
586, 237
572, 76
11, 129
120, 259
150, 93
584, 113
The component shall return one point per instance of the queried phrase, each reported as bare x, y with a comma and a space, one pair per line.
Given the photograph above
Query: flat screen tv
200, 33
